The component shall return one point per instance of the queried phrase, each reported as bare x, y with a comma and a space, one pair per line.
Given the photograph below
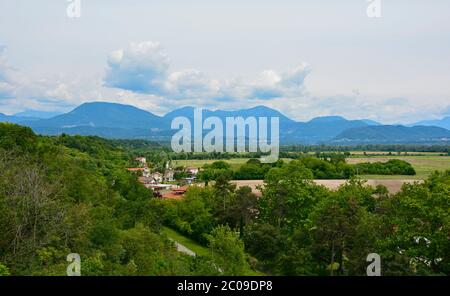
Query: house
192, 171
189, 180
146, 172
168, 175
159, 187
157, 177
177, 193
142, 160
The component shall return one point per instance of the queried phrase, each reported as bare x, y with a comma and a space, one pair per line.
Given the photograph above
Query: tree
334, 221
243, 208
264, 241
289, 195
4, 271
223, 192
228, 251
418, 218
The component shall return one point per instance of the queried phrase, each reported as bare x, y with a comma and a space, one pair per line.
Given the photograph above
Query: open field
393, 186
424, 165
393, 154
198, 163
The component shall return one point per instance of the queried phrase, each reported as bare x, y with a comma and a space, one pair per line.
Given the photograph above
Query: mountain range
444, 123
111, 120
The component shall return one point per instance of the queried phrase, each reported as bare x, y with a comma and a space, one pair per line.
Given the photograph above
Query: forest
72, 194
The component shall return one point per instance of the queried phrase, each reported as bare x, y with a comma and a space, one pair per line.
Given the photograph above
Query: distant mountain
261, 111
101, 115
108, 120
112, 120
316, 130
327, 119
9, 118
392, 134
370, 122
444, 123
37, 114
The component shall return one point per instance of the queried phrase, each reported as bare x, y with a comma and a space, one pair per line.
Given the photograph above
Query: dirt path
393, 186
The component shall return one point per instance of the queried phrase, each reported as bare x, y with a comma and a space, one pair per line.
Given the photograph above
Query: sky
304, 58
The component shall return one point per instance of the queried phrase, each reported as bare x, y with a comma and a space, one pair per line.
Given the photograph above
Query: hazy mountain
444, 122
318, 129
370, 122
37, 114
392, 134
9, 118
103, 115
327, 119
260, 111
322, 129
123, 121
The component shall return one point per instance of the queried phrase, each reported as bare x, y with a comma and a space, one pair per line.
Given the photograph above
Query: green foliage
4, 271
228, 251
391, 167
333, 168
215, 170
192, 215
420, 223
14, 137
60, 195
289, 195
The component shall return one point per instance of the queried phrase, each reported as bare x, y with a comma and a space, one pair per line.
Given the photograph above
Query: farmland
423, 162
393, 185
424, 165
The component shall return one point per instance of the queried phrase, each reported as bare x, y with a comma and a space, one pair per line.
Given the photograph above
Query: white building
192, 171
168, 175
142, 160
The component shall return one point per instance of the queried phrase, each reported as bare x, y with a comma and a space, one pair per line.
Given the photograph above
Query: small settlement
163, 182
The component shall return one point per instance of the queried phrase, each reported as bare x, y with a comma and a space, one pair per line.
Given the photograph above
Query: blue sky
305, 58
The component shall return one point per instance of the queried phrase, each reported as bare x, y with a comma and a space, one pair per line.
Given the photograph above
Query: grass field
424, 164
185, 241
393, 154
198, 163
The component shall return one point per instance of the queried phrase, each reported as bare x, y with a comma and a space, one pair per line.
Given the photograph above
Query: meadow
424, 163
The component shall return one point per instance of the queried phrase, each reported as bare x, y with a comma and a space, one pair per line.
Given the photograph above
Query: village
163, 182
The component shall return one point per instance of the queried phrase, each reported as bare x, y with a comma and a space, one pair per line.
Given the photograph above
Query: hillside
390, 134
111, 120
444, 123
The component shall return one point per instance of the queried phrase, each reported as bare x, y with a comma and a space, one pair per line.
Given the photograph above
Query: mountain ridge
113, 120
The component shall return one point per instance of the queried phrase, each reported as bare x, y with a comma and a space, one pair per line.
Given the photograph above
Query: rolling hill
393, 134
444, 123
111, 120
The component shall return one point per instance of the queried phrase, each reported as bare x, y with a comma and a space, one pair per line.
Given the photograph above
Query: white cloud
141, 75
144, 68
9, 77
